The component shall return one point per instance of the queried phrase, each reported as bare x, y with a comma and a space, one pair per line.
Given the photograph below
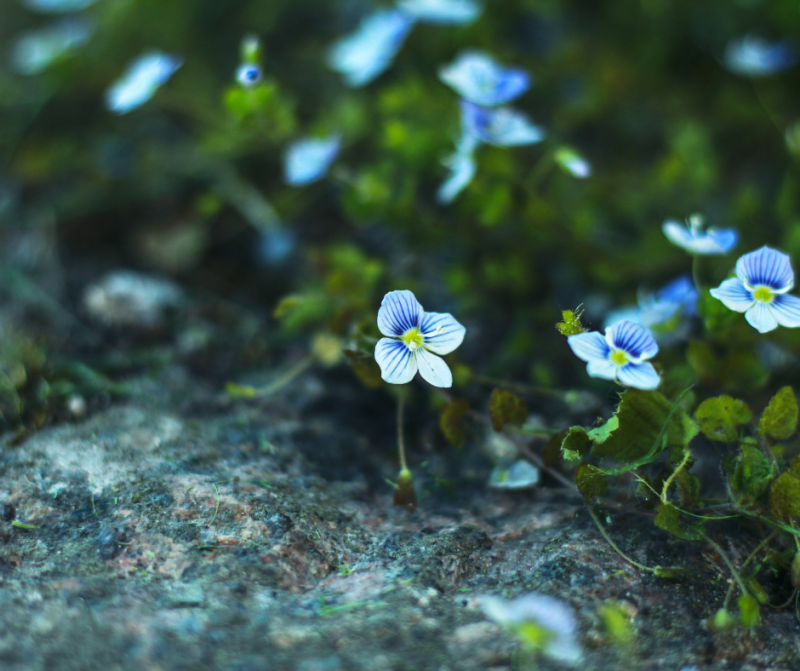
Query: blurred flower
752, 56
462, 169
35, 51
248, 75
519, 475
620, 355
140, 81
678, 298
692, 238
367, 52
501, 126
760, 288
442, 11
58, 6
308, 160
414, 338
542, 622
478, 78
572, 162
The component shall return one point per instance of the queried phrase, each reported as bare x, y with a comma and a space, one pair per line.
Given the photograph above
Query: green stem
687, 455
746, 562
401, 449
614, 545
696, 272
295, 371
730, 566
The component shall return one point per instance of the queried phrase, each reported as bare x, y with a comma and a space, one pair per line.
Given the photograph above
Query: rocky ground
179, 529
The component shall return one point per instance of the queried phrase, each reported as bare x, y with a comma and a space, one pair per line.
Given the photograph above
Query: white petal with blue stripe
766, 267
734, 295
398, 364
399, 312
441, 332
433, 369
635, 340
638, 375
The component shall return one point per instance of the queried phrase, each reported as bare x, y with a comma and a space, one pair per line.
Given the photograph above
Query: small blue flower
58, 6
442, 11
248, 75
760, 288
462, 169
414, 338
140, 81
364, 54
694, 240
658, 311
620, 355
478, 78
35, 51
309, 159
755, 57
501, 126
572, 162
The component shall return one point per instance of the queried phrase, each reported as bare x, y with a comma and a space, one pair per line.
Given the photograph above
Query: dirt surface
180, 530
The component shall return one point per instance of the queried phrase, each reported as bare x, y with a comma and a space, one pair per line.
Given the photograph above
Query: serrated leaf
451, 421
576, 440
647, 424
668, 518
779, 420
505, 407
784, 495
720, 418
591, 481
571, 324
752, 475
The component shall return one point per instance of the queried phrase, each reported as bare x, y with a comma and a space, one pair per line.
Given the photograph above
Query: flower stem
298, 369
696, 272
401, 449
731, 567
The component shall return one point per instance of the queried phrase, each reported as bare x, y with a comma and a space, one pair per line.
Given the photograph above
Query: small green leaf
591, 481
505, 407
779, 420
720, 418
576, 441
20, 525
240, 391
752, 475
784, 495
451, 421
688, 486
668, 518
668, 573
749, 611
571, 324
721, 621
757, 591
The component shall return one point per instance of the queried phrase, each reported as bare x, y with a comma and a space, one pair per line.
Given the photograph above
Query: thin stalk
696, 272
729, 563
687, 455
295, 371
401, 448
614, 545
746, 562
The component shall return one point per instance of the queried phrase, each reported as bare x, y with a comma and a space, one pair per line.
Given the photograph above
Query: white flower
540, 620
442, 11
308, 160
694, 240
367, 52
141, 80
752, 56
478, 78
414, 338
35, 51
620, 355
760, 288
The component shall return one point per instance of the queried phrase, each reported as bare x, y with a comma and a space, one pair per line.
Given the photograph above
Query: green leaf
688, 486
451, 421
721, 417
721, 621
647, 424
505, 407
668, 572
576, 440
571, 324
20, 525
240, 391
749, 611
591, 481
784, 495
779, 420
668, 518
752, 474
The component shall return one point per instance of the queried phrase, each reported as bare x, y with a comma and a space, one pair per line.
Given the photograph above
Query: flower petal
308, 160
638, 375
433, 369
761, 318
443, 12
721, 239
635, 340
589, 346
502, 126
398, 363
462, 170
441, 332
766, 267
734, 295
694, 241
399, 312
602, 368
677, 234
752, 56
478, 78
786, 309
140, 81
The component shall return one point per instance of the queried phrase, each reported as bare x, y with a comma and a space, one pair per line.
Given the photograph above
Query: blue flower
692, 238
58, 6
367, 52
677, 298
620, 355
462, 169
572, 162
35, 51
760, 288
308, 160
248, 75
442, 11
755, 57
413, 339
478, 78
141, 80
501, 126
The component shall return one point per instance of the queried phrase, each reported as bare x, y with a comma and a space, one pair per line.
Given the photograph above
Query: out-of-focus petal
35, 51
441, 332
398, 364
443, 11
635, 340
604, 369
364, 54
572, 162
462, 170
58, 6
752, 56
140, 81
478, 78
638, 375
501, 126
786, 309
734, 295
761, 318
309, 160
589, 346
399, 312
766, 267
433, 369
694, 240
520, 475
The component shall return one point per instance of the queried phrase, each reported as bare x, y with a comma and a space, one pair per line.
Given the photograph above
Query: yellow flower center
618, 357
763, 294
412, 338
